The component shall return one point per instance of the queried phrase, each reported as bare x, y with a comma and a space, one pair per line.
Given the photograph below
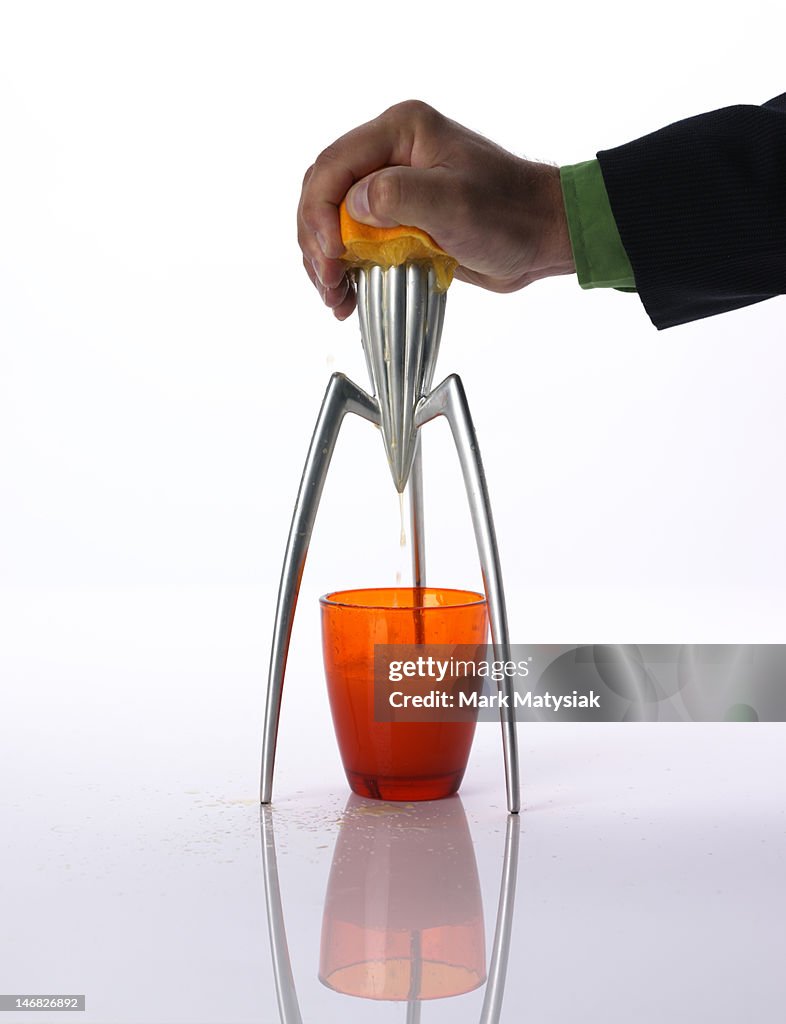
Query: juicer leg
449, 400
288, 1006
417, 521
342, 396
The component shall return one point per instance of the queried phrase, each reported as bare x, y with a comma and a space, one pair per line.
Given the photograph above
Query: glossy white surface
650, 877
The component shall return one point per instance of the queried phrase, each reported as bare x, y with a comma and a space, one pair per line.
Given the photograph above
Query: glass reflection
403, 913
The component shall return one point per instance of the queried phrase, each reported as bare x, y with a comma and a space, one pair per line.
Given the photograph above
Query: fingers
350, 158
387, 140
431, 198
340, 299
347, 305
328, 269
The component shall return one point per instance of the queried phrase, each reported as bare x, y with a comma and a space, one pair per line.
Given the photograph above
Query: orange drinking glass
395, 760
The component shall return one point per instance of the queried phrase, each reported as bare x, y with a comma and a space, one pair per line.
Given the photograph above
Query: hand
502, 217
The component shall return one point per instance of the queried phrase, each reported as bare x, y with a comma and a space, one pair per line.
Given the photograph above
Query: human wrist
554, 253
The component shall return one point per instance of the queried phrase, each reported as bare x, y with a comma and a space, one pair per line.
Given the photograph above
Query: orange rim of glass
334, 599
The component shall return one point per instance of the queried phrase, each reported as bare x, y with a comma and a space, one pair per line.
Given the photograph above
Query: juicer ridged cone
401, 313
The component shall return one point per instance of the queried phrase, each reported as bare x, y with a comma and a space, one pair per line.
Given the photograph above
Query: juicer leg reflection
341, 397
500, 951
288, 1006
448, 399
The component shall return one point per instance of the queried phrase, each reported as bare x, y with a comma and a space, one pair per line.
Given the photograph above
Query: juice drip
401, 572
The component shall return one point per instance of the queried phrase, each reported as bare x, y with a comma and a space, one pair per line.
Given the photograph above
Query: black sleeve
701, 209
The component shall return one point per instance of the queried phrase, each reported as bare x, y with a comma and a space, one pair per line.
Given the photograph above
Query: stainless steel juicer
401, 313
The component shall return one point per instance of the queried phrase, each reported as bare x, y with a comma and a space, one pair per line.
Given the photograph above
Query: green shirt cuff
601, 260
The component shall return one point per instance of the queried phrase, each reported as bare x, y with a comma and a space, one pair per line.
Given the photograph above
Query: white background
163, 356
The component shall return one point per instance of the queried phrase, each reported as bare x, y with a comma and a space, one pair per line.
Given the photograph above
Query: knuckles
413, 111
329, 154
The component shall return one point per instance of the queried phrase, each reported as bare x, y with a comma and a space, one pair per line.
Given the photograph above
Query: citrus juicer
401, 312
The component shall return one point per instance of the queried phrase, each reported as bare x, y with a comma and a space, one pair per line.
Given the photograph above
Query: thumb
400, 195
